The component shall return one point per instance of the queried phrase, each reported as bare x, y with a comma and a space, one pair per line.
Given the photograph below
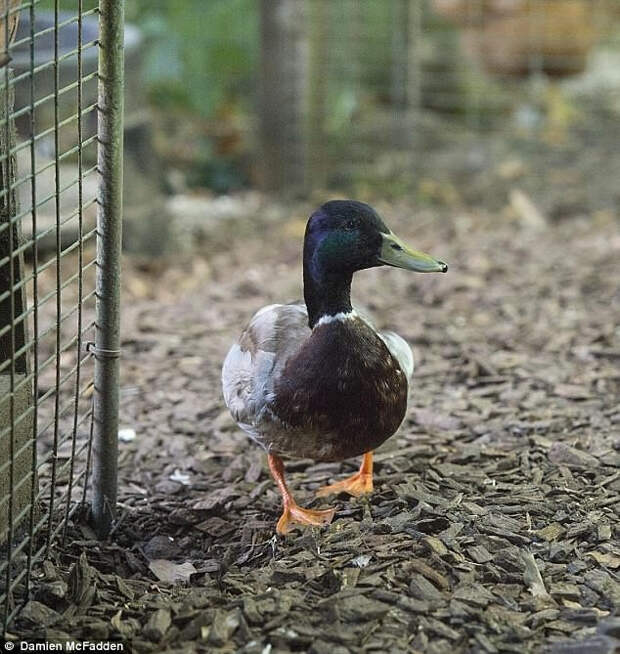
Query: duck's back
331, 393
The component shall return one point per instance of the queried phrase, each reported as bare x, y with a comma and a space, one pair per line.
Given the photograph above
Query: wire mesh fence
52, 210
342, 84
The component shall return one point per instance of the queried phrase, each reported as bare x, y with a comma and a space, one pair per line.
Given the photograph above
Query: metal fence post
16, 441
109, 217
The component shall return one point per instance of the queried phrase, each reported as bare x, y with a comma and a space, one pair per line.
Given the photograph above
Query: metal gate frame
109, 221
18, 554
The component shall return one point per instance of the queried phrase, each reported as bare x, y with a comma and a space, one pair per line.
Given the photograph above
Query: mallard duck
316, 379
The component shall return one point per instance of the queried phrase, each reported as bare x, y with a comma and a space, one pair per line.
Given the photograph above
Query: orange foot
358, 484
294, 514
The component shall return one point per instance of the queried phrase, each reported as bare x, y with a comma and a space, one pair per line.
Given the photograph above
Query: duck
316, 379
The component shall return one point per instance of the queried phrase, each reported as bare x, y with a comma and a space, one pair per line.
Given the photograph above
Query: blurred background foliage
199, 56
422, 97
361, 78
200, 63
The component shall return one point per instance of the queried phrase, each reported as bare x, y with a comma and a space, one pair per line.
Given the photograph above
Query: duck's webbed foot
292, 513
358, 484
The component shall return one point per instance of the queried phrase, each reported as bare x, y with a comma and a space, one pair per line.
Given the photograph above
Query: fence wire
48, 269
344, 83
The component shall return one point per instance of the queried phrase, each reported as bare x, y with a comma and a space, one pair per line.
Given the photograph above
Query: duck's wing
253, 363
398, 346
400, 350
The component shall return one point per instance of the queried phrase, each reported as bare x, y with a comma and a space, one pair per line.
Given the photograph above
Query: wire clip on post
101, 353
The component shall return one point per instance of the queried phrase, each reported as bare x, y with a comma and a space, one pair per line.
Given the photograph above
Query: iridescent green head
342, 237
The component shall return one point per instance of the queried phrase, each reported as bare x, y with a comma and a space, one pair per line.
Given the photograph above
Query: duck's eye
350, 224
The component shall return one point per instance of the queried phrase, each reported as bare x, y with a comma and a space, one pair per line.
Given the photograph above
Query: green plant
198, 54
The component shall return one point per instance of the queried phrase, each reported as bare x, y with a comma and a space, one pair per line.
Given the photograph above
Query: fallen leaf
171, 572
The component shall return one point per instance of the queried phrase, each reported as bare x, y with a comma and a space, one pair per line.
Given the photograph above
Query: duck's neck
326, 295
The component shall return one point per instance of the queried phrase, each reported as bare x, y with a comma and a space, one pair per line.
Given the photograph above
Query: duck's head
344, 236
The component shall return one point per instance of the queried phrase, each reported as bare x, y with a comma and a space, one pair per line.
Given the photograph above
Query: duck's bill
396, 253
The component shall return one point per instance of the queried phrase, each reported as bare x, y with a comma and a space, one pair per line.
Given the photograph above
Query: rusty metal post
109, 218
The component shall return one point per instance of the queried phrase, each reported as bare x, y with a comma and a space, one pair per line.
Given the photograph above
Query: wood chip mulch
494, 523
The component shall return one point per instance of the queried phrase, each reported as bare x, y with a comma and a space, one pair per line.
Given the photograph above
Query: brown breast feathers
343, 393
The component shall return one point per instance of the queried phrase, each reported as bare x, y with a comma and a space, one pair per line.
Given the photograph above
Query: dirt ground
493, 525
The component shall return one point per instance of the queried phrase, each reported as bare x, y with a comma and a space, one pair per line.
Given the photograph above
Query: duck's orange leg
358, 484
292, 513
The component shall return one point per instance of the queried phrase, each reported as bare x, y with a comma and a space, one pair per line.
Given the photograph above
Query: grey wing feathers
274, 333
400, 351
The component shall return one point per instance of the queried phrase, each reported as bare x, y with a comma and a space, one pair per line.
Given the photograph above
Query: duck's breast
342, 394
